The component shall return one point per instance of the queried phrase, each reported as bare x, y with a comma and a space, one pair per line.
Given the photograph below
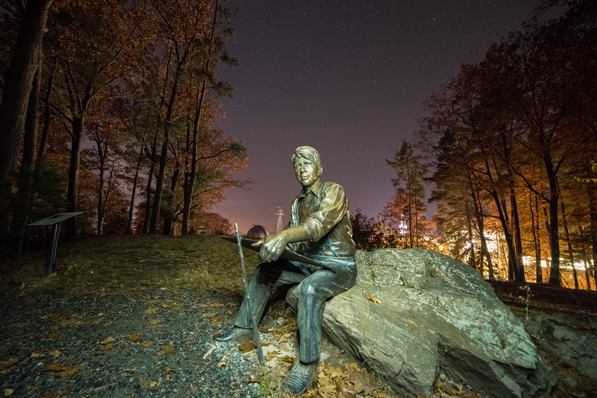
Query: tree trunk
26, 174
159, 185
47, 116
148, 203
570, 252
168, 221
519, 271
536, 236
100, 193
18, 83
129, 223
592, 193
554, 238
72, 192
191, 176
472, 259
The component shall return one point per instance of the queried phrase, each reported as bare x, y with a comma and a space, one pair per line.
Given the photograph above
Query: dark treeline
107, 108
512, 141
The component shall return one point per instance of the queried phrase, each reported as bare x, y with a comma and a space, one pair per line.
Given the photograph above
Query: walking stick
247, 297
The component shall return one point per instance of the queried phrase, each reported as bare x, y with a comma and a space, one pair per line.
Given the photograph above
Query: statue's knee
307, 290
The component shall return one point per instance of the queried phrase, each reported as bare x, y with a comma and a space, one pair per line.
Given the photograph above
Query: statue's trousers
316, 285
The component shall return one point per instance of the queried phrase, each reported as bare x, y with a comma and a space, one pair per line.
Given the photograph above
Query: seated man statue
319, 228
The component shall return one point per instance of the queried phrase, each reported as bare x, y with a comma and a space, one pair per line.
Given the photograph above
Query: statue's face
306, 171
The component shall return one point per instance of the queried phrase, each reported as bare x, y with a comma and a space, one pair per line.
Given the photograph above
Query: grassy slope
122, 262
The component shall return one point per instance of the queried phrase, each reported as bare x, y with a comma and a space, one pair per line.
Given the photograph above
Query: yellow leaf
168, 349
270, 355
108, 340
198, 294
8, 391
216, 305
222, 364
373, 299
154, 322
69, 371
134, 337
168, 370
54, 353
105, 347
214, 322
52, 335
254, 379
247, 346
55, 367
210, 314
146, 344
285, 360
7, 364
36, 354
153, 384
151, 311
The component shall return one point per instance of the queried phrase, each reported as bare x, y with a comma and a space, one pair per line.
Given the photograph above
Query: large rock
570, 340
436, 316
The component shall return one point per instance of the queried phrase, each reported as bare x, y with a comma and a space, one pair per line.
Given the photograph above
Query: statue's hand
272, 247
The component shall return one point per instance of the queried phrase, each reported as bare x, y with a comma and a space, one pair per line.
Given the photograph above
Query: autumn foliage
122, 107
512, 140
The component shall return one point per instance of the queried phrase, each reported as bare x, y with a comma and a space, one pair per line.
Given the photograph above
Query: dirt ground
141, 268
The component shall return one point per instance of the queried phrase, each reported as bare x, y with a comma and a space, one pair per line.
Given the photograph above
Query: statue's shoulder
332, 185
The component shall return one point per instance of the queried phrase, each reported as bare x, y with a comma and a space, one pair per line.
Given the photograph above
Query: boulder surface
415, 314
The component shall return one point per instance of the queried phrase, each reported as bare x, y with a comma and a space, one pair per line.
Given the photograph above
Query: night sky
348, 78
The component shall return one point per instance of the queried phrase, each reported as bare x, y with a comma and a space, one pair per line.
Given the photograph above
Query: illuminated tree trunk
535, 229
570, 252
18, 84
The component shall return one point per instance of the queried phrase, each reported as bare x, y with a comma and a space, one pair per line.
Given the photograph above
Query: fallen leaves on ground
168, 349
154, 322
271, 355
247, 346
443, 391
151, 311
334, 382
69, 371
107, 343
254, 379
134, 337
55, 367
7, 364
286, 360
373, 299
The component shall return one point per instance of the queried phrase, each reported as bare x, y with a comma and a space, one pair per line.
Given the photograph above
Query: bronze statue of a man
320, 229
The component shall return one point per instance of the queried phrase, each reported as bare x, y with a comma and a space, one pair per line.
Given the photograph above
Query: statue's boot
300, 376
235, 334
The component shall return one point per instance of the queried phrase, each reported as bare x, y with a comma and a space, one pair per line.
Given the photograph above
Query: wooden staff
247, 297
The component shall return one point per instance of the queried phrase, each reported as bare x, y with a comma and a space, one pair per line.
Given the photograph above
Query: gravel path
157, 343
